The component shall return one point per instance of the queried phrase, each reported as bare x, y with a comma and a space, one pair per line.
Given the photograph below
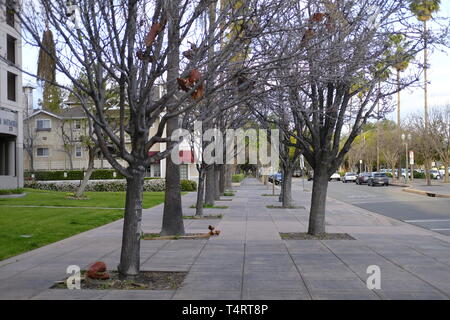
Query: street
426, 212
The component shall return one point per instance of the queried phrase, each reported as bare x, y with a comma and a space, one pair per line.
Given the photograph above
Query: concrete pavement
249, 260
427, 212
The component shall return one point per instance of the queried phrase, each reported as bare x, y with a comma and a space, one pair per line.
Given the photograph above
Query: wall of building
11, 111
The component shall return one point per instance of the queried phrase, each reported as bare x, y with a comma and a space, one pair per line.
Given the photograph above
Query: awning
186, 156
152, 153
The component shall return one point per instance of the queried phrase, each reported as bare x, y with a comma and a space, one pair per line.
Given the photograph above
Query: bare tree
439, 123
422, 141
390, 145
329, 47
136, 45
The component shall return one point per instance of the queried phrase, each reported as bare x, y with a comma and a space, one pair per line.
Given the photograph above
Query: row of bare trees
308, 68
430, 143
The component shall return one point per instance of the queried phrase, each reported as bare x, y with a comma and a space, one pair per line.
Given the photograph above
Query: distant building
11, 106
56, 144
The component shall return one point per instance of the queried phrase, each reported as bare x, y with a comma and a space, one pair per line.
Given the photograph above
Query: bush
11, 191
153, 185
419, 175
188, 185
99, 174
389, 174
238, 177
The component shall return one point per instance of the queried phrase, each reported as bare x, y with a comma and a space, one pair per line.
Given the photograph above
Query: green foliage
107, 186
397, 53
238, 177
11, 191
188, 185
99, 174
419, 175
424, 9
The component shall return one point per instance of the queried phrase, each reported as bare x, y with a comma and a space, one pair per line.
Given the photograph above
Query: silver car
349, 177
378, 178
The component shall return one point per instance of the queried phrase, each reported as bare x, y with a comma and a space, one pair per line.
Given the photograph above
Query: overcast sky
412, 99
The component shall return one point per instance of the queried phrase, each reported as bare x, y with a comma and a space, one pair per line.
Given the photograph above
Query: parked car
277, 178
349, 177
297, 173
310, 175
435, 174
378, 178
362, 178
335, 176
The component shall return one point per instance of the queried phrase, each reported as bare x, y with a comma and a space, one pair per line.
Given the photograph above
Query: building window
11, 48
78, 152
11, 86
10, 12
42, 152
156, 170
77, 124
43, 125
184, 172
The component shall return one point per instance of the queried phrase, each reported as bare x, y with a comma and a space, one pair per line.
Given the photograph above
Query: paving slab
249, 260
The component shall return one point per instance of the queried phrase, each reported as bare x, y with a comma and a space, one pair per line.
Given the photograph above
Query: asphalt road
426, 212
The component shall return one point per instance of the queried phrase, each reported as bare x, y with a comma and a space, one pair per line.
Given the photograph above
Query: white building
11, 106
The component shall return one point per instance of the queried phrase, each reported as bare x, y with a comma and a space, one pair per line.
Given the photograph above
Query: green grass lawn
95, 199
47, 225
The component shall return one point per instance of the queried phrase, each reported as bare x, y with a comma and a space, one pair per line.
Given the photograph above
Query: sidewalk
249, 260
437, 189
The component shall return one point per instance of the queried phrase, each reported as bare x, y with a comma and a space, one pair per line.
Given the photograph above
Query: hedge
188, 185
107, 186
99, 174
11, 191
419, 175
238, 177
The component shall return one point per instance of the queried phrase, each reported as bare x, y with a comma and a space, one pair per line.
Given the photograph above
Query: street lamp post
405, 139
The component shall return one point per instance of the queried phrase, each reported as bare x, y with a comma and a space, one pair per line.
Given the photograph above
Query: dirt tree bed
146, 280
325, 236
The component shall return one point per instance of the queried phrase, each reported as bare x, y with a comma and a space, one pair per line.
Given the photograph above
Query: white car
336, 176
349, 177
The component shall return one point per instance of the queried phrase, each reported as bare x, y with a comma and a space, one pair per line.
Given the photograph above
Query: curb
425, 193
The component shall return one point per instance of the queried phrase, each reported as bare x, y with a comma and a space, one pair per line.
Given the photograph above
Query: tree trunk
210, 186
87, 176
217, 181
446, 163
131, 238
318, 202
173, 215
173, 212
287, 187
222, 179
427, 171
200, 193
228, 177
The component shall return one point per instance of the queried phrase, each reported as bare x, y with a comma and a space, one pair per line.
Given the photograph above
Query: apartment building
55, 143
11, 106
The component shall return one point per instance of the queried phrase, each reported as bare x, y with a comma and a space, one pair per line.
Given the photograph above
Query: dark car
277, 178
362, 178
378, 178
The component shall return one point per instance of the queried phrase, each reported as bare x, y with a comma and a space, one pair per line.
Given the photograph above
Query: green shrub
188, 185
153, 185
99, 174
389, 174
238, 177
11, 191
419, 175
